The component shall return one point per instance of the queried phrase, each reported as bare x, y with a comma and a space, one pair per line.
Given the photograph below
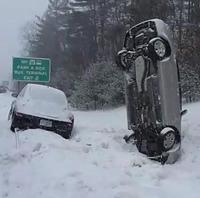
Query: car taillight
71, 117
18, 114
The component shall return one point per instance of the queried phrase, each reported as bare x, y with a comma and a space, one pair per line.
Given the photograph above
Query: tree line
82, 37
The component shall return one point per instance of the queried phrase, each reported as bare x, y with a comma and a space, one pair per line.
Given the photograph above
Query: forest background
82, 37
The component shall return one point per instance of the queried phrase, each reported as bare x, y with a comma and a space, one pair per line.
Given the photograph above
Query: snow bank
95, 163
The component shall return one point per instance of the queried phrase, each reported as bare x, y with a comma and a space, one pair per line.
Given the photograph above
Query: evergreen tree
100, 86
79, 35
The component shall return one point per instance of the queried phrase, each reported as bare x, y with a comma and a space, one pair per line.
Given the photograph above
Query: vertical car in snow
39, 106
153, 94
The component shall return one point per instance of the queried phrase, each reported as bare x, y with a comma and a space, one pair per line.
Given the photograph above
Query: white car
39, 106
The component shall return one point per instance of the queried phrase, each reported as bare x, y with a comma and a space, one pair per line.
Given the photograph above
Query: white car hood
43, 109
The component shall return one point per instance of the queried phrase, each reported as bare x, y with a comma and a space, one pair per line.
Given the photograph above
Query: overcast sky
14, 14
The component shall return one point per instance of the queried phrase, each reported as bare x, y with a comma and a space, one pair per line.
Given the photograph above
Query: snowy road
95, 163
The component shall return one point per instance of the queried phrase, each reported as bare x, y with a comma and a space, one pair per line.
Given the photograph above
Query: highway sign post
31, 69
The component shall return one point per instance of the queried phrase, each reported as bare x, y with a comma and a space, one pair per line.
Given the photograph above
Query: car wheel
168, 138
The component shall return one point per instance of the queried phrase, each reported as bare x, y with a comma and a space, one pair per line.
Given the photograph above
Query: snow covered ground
95, 163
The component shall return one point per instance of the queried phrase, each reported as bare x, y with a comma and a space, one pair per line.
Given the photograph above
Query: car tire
168, 138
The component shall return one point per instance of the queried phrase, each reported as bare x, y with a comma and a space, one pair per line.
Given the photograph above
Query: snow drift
96, 162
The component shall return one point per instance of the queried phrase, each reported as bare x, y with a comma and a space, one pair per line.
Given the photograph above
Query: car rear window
48, 95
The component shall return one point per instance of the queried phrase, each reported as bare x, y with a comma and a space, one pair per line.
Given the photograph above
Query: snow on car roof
44, 87
43, 92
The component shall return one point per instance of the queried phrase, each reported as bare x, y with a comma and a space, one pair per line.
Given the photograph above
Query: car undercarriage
153, 95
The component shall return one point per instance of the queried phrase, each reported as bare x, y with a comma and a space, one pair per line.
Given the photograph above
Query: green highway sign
31, 69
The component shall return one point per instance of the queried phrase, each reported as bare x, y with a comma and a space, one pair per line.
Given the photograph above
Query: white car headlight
160, 48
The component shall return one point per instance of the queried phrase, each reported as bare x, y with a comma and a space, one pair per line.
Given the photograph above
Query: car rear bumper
24, 121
